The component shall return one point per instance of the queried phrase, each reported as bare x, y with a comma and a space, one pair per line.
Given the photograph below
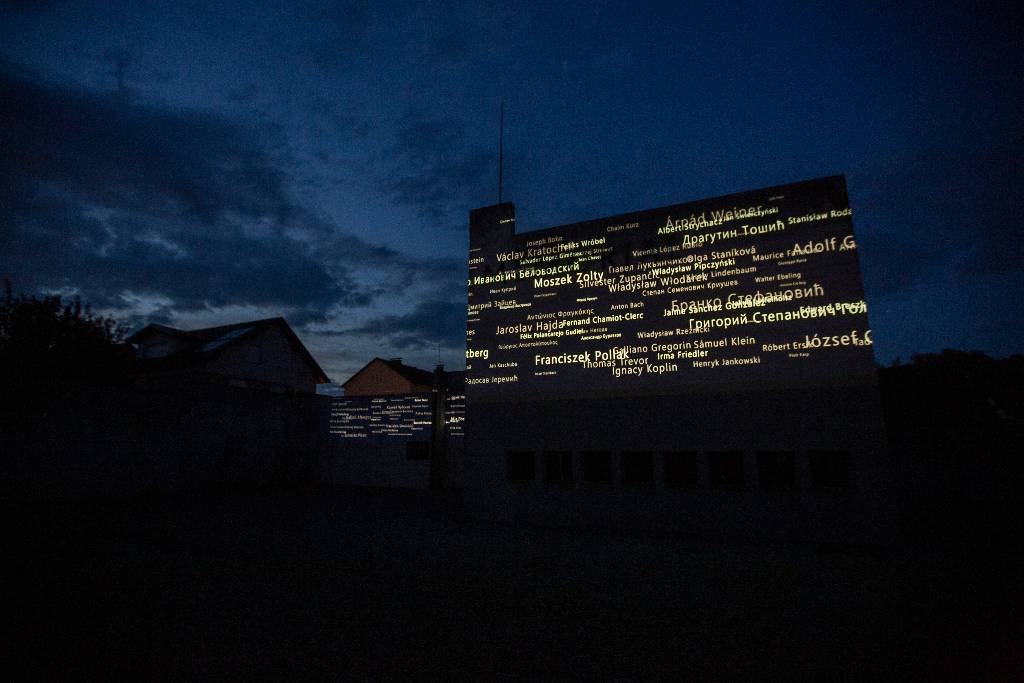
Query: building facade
666, 369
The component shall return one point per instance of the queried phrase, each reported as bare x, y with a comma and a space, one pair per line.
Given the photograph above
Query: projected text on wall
760, 289
402, 417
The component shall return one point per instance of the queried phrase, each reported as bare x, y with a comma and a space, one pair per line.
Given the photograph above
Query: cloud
433, 170
429, 324
333, 118
341, 31
242, 93
105, 148
118, 199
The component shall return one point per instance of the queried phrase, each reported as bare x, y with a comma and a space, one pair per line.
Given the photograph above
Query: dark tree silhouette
50, 338
960, 404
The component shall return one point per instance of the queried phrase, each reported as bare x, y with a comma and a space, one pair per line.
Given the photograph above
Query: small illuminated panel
401, 417
455, 414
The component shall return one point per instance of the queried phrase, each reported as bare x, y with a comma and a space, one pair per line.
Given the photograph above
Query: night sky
194, 164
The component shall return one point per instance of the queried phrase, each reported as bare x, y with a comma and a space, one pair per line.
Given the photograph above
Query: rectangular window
417, 450
597, 466
520, 466
775, 469
726, 469
830, 469
558, 466
637, 467
680, 468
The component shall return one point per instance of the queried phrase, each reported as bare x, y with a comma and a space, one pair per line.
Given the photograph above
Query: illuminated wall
705, 366
403, 417
455, 414
760, 289
397, 440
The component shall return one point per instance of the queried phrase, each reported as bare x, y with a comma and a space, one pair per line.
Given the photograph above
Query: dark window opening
417, 450
558, 466
775, 469
637, 467
830, 469
520, 466
680, 468
597, 466
726, 469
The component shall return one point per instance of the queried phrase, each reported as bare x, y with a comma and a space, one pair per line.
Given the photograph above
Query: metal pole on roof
501, 145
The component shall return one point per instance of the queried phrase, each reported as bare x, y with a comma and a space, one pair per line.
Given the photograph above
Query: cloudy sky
199, 163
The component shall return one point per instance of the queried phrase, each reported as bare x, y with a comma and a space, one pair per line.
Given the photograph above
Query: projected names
761, 288
403, 417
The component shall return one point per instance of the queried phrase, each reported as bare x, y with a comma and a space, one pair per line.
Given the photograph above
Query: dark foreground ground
372, 584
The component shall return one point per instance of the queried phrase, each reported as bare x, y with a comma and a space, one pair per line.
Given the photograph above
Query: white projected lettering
381, 417
760, 289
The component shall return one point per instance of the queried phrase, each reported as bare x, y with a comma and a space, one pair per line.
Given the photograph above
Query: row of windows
775, 469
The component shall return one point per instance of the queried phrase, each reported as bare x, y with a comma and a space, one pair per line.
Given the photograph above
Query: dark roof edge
426, 378
220, 330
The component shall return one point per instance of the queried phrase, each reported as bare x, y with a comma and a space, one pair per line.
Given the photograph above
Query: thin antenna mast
501, 145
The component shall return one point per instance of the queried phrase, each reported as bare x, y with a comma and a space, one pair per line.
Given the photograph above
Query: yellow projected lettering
754, 288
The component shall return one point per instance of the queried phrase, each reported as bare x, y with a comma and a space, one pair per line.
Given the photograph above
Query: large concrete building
788, 444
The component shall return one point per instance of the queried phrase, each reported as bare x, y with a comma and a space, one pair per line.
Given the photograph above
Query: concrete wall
400, 440
826, 419
180, 434
76, 442
376, 464
163, 436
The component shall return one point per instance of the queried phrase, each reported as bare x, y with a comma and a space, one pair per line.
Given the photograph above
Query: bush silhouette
49, 338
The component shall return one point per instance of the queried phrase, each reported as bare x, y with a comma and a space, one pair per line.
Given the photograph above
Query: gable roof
407, 372
156, 327
206, 341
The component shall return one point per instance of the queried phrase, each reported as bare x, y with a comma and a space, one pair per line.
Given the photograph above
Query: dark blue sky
194, 164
